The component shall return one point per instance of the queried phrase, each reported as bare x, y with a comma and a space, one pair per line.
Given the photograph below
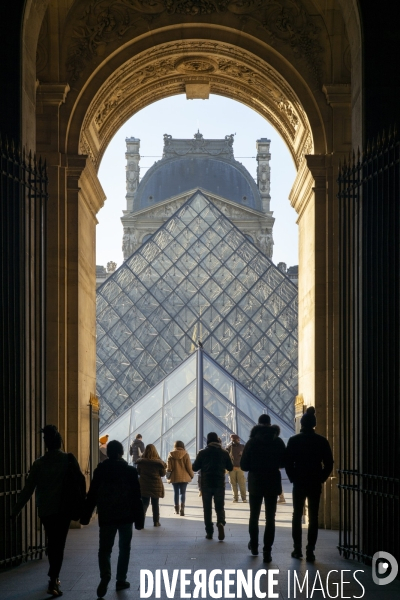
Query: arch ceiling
165, 70
117, 56
274, 56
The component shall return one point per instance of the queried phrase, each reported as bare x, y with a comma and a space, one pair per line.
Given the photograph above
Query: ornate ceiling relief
104, 22
165, 70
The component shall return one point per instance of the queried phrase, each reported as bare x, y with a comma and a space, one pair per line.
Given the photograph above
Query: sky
181, 118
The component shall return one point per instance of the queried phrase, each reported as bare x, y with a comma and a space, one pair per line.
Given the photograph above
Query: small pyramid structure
196, 398
198, 278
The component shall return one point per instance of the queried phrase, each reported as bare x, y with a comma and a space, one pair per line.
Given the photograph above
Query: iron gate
369, 199
23, 194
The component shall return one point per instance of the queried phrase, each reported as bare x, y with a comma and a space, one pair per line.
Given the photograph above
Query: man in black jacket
262, 457
49, 476
308, 464
213, 462
116, 492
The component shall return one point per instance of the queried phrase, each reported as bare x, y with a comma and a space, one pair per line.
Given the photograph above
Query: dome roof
171, 177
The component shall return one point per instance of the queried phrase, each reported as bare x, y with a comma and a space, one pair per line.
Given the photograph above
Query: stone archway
98, 65
172, 68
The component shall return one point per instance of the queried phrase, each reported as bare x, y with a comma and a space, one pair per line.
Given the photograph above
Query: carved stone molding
166, 69
195, 65
98, 24
52, 93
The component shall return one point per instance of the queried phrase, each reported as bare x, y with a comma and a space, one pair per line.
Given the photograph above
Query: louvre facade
197, 278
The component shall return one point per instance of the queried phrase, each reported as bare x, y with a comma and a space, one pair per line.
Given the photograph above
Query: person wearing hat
308, 464
48, 475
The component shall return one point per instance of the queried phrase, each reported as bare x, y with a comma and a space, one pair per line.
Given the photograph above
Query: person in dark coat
308, 464
115, 491
262, 457
137, 448
213, 462
47, 475
151, 468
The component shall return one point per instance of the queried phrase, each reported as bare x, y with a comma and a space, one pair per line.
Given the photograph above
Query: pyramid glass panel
177, 410
198, 278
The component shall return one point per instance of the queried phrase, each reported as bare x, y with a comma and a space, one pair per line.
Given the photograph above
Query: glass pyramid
196, 398
197, 278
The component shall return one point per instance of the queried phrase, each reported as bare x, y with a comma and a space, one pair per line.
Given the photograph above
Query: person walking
137, 448
151, 468
237, 477
115, 491
48, 475
213, 462
308, 464
262, 457
179, 468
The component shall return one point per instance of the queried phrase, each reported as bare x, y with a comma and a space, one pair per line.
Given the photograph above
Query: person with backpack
236, 477
115, 491
56, 477
137, 448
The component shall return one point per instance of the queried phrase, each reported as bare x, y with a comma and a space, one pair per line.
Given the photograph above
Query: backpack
74, 490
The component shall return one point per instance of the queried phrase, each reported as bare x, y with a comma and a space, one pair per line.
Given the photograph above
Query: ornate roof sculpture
197, 278
208, 163
196, 398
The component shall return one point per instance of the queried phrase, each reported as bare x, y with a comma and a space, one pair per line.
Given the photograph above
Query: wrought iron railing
23, 194
369, 196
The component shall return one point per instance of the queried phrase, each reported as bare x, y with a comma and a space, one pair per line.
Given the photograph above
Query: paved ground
180, 544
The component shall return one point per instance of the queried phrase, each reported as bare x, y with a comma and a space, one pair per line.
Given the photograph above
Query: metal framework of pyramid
197, 278
196, 398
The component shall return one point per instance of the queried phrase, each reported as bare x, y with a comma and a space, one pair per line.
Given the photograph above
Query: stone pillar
85, 197
265, 238
130, 236
264, 172
132, 170
75, 196
314, 197
50, 97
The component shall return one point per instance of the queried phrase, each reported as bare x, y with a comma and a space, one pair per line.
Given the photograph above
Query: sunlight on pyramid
196, 398
197, 278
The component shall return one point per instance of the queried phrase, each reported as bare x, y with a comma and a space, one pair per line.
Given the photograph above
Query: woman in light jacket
151, 468
180, 467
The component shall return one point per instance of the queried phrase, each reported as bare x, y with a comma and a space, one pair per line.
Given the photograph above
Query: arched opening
315, 46
248, 54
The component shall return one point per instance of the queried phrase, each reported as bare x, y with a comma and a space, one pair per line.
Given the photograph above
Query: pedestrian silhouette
262, 457
308, 464
56, 477
151, 468
213, 462
115, 491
